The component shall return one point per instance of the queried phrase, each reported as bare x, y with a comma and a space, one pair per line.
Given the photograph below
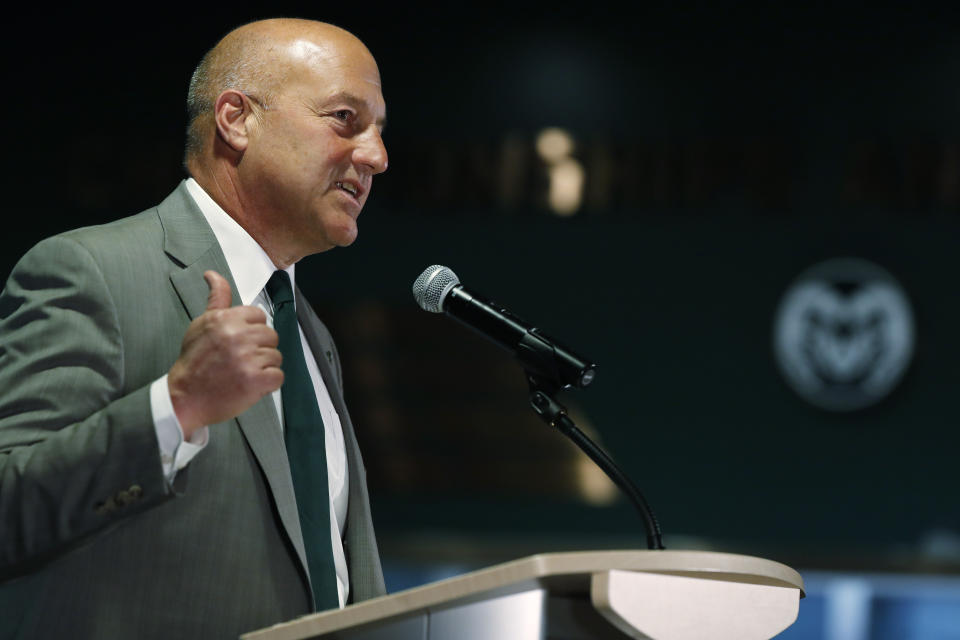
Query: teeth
348, 187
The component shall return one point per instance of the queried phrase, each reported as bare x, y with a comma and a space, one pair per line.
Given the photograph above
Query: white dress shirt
251, 268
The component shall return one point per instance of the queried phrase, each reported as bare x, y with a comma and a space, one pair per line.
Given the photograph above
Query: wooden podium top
561, 573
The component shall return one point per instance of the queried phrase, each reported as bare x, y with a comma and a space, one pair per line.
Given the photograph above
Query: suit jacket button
124, 498
135, 491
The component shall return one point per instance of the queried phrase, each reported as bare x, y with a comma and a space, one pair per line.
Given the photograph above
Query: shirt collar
249, 264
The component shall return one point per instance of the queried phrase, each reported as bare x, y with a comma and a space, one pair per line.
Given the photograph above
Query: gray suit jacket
94, 543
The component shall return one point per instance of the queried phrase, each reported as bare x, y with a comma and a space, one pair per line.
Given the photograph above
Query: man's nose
371, 151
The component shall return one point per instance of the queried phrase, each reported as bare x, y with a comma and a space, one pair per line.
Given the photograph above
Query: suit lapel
322, 350
359, 541
189, 240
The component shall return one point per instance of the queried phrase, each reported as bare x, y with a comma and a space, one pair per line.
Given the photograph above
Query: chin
331, 230
342, 236
348, 234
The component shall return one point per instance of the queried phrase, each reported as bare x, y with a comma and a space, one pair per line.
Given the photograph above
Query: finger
220, 296
267, 357
252, 315
271, 379
264, 336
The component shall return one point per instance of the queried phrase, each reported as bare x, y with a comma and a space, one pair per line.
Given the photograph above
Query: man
156, 481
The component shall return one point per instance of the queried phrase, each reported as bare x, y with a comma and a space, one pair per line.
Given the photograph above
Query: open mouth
349, 188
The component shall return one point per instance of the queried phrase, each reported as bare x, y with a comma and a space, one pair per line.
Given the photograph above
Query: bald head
257, 59
286, 118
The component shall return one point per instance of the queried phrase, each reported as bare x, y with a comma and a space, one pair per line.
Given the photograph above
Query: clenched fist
228, 361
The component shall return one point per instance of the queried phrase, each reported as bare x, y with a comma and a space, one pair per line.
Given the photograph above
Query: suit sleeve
78, 451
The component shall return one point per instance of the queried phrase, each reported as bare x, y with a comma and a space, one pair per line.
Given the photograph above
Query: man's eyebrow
357, 103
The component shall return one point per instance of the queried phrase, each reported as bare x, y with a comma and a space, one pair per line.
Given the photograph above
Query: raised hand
228, 361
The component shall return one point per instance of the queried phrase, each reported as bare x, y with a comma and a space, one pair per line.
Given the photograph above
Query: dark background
739, 144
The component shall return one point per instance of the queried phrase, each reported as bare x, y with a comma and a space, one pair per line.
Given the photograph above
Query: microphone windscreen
432, 286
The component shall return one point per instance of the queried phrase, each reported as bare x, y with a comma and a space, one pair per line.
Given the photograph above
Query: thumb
220, 296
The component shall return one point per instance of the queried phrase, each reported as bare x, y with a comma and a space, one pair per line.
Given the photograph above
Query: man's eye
343, 114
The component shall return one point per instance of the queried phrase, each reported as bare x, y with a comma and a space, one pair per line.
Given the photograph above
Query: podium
591, 595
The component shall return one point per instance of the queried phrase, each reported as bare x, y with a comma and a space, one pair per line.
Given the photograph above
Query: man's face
313, 152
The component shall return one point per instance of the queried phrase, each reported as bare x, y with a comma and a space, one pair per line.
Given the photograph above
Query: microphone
550, 366
438, 290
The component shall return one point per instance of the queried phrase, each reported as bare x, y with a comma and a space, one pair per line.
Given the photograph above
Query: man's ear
231, 112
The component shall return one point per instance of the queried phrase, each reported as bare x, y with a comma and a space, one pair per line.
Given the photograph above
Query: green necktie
306, 447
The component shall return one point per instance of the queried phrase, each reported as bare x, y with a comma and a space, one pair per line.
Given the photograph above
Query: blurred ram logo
844, 334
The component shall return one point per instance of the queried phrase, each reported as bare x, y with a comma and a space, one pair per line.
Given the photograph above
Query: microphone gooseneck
549, 366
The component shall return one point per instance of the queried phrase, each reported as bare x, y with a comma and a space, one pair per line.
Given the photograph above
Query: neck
224, 188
